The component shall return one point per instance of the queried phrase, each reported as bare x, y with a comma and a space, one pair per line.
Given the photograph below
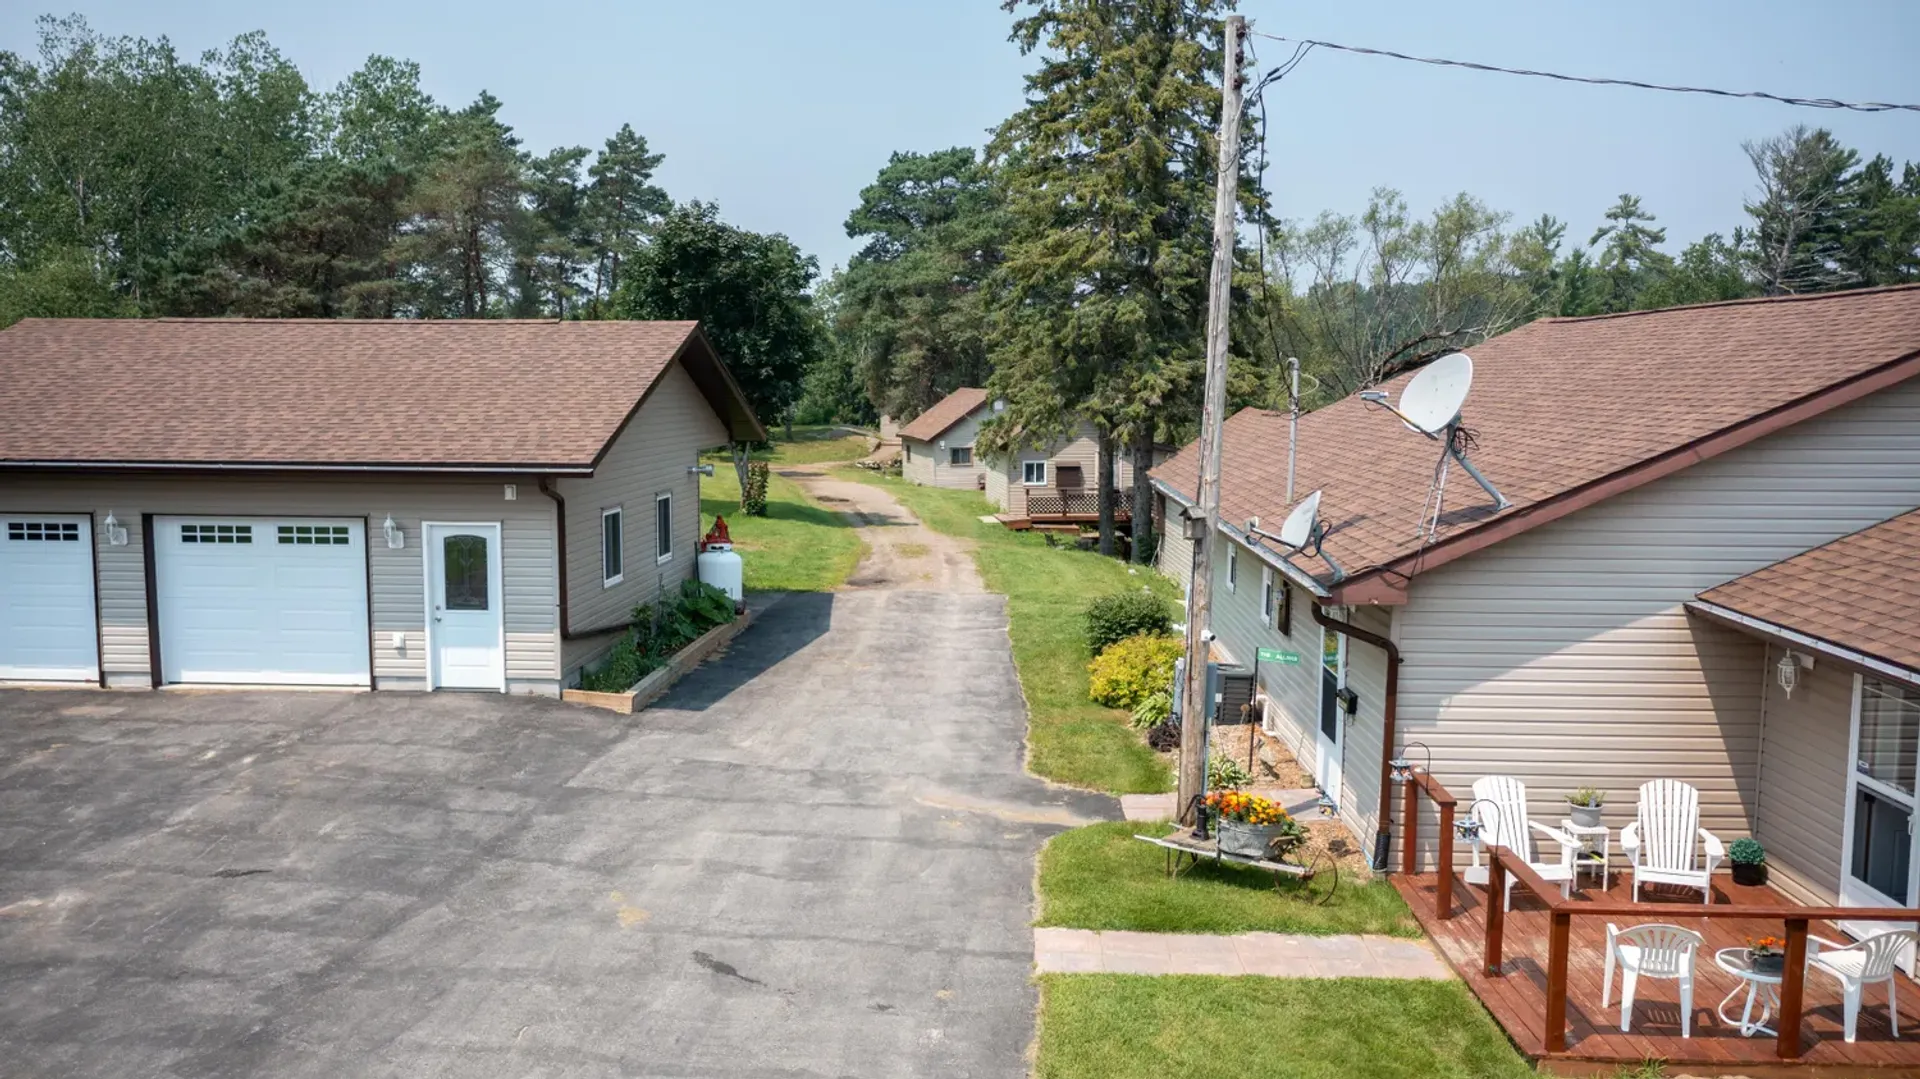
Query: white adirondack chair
1656, 950
1858, 965
1660, 843
1505, 824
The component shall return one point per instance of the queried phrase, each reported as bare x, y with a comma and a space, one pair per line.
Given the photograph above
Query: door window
1882, 846
1889, 734
464, 565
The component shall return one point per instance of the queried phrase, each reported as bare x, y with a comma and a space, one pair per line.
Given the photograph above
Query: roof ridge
1792, 297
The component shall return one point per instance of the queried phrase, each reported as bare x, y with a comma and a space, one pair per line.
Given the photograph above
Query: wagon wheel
1321, 859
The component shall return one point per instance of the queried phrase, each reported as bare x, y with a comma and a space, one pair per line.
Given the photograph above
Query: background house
390, 504
937, 448
1064, 475
1649, 457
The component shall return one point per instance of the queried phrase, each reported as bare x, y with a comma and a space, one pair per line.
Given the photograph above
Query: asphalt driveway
814, 859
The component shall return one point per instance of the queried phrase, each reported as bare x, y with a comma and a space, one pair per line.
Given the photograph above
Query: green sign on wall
1275, 655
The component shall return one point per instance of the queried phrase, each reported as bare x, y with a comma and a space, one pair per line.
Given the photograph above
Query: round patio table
1736, 962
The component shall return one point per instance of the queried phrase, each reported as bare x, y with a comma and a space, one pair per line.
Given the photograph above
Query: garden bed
650, 688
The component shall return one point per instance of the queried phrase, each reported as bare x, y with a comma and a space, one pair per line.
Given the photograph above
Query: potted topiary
1253, 827
1749, 860
1584, 806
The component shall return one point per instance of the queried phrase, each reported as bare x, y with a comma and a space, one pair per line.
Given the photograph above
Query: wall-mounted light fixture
116, 532
1403, 768
396, 539
511, 492
1787, 671
700, 470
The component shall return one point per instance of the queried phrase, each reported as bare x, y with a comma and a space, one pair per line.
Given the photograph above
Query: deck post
1557, 948
1409, 827
1793, 986
1443, 875
1496, 910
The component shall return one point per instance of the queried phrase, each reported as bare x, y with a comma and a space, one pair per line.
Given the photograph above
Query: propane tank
717, 565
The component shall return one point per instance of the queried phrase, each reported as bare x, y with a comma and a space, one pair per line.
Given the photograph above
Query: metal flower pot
1767, 964
1247, 840
1584, 816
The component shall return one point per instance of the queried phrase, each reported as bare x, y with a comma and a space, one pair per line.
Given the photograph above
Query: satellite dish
1298, 530
1431, 402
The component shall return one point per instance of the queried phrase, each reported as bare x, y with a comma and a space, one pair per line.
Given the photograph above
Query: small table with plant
1760, 967
1583, 823
1248, 830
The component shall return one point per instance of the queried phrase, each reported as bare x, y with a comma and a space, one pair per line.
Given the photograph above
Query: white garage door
262, 601
47, 630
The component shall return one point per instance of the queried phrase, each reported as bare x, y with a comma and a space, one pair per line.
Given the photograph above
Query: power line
1804, 102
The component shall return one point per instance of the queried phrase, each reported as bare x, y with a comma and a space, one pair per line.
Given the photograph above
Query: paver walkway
1281, 955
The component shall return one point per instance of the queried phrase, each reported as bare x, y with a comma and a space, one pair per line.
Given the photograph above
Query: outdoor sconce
116, 532
396, 539
1788, 670
1403, 768
699, 470
1468, 827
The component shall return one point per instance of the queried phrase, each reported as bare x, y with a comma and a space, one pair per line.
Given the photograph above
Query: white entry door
47, 627
262, 600
1333, 676
466, 634
1879, 867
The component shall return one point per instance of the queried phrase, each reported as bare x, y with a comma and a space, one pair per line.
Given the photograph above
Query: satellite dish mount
1430, 405
1302, 533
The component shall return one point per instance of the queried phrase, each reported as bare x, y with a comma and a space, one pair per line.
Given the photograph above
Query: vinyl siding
916, 461
937, 472
1174, 555
1082, 449
997, 487
650, 458
1564, 656
529, 574
1803, 777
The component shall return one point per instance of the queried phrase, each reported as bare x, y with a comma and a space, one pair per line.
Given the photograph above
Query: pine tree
621, 205
1632, 260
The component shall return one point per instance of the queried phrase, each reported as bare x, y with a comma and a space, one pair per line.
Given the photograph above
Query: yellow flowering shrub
1131, 670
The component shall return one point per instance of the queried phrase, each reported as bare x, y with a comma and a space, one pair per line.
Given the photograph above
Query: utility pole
1194, 701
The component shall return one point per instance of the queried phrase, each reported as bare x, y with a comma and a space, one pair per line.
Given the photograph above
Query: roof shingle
1861, 592
1557, 405
945, 412
324, 392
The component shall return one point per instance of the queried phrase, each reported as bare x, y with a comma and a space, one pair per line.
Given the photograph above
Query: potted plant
1766, 955
1749, 860
1584, 805
1253, 827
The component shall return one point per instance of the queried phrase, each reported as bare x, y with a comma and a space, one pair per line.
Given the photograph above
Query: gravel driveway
814, 859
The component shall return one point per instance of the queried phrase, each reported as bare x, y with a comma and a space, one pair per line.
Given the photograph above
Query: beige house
937, 449
383, 504
1587, 634
1059, 478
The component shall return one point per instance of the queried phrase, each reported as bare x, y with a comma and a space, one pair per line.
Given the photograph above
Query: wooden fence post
1496, 910
1443, 890
1557, 947
1793, 986
1409, 827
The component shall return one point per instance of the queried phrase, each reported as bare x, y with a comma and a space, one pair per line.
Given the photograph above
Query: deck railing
1072, 504
1423, 783
1562, 910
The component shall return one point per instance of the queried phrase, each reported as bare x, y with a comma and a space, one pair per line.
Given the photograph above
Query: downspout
1383, 834
560, 551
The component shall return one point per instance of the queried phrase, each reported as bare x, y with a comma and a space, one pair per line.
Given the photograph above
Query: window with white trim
44, 531
1266, 594
1233, 570
1033, 473
663, 527
613, 555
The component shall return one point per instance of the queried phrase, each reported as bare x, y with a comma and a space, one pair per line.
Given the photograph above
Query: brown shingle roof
1564, 410
945, 412
1861, 592
319, 393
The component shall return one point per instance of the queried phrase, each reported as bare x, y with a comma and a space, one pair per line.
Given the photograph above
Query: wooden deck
1595, 1045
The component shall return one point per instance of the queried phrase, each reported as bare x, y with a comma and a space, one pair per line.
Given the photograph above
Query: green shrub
660, 630
1116, 617
1746, 851
753, 500
1225, 773
1154, 709
1128, 671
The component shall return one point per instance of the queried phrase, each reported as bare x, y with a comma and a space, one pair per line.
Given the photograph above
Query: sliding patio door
1878, 864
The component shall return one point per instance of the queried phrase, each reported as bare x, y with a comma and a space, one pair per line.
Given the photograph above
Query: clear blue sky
782, 111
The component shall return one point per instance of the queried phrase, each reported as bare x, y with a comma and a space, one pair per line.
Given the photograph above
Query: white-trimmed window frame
1233, 569
608, 580
1025, 471
662, 555
1267, 609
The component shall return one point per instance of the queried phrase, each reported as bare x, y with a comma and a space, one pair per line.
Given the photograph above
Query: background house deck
1517, 999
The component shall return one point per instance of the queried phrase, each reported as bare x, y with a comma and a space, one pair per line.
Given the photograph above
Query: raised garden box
650, 688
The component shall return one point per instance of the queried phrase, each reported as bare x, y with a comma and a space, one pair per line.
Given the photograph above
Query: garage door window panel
314, 535
43, 531
216, 534
466, 573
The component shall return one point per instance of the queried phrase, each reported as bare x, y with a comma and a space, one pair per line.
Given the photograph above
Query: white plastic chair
1659, 844
1656, 950
1863, 963
1506, 825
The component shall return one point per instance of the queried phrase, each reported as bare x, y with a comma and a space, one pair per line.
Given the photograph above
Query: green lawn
1100, 877
1070, 739
797, 547
1128, 1026
811, 446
